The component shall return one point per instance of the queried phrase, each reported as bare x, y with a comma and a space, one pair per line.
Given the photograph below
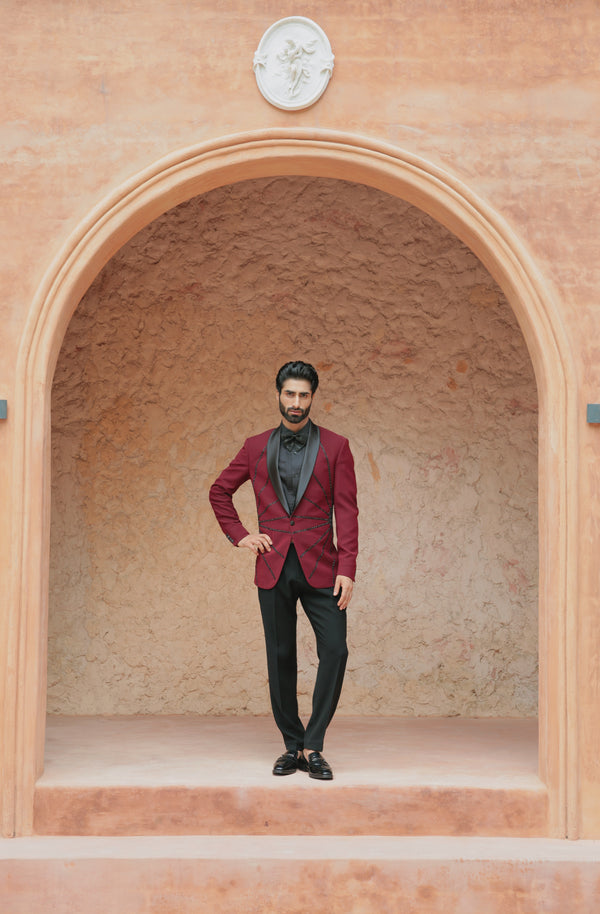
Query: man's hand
256, 542
343, 586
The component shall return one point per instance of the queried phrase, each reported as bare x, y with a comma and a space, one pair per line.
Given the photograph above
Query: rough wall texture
169, 363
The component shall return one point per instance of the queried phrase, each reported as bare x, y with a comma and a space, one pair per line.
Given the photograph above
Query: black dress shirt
292, 447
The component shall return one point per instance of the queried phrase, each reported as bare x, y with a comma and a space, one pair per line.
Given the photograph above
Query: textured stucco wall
168, 364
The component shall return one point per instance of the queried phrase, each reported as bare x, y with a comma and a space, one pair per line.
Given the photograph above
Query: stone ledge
343, 811
370, 875
262, 847
187, 776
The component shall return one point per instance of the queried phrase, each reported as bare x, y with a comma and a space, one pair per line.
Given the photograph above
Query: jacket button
292, 522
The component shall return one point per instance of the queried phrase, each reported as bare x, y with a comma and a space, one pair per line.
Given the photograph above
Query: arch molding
134, 204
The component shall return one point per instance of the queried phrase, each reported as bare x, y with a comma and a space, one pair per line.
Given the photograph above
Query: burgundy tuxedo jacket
327, 488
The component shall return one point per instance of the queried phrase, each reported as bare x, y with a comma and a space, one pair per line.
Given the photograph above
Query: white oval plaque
293, 63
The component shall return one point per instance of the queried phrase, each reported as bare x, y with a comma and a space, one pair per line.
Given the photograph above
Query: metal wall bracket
593, 413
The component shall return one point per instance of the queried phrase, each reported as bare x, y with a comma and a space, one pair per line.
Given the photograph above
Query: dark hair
301, 370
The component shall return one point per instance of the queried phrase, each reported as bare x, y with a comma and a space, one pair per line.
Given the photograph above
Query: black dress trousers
278, 609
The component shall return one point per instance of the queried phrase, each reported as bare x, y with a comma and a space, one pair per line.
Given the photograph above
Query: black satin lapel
273, 467
310, 458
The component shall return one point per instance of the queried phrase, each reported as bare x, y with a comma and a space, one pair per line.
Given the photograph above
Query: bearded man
303, 477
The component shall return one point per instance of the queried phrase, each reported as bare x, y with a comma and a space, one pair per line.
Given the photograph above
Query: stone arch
108, 227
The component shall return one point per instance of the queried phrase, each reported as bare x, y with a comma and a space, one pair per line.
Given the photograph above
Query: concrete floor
235, 751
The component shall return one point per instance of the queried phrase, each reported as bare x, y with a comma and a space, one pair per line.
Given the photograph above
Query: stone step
260, 875
305, 808
212, 776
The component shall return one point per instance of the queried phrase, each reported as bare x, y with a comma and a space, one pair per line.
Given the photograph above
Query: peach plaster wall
169, 363
499, 94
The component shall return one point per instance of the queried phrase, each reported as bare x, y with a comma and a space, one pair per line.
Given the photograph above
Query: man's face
295, 400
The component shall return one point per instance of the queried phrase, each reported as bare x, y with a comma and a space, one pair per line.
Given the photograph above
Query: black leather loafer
290, 762
318, 767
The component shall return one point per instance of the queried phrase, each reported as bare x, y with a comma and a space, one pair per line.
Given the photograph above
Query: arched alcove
195, 171
423, 366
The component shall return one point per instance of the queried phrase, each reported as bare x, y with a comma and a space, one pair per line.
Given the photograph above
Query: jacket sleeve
346, 512
221, 496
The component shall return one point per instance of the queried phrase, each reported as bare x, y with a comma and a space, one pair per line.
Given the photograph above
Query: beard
294, 418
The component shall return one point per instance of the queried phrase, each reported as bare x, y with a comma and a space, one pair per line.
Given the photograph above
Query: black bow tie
292, 441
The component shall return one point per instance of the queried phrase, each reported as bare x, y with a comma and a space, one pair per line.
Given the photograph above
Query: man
302, 476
